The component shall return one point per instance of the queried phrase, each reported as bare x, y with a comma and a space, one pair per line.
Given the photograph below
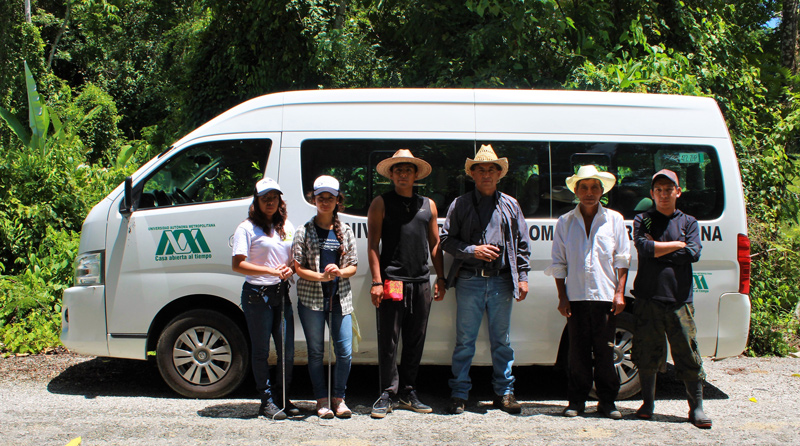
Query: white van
154, 269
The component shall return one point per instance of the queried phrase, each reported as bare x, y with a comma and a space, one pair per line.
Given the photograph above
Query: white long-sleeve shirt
589, 263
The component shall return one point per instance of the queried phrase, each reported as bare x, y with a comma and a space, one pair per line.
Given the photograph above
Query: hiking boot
411, 402
270, 410
456, 406
507, 403
382, 407
340, 408
323, 410
573, 410
609, 410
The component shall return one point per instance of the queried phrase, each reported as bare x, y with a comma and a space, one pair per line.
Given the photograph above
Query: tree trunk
340, 14
789, 46
27, 11
60, 33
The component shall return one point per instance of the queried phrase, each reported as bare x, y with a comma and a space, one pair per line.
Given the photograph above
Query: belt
487, 272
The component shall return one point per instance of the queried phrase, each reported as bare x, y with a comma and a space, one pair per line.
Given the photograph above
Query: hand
563, 306
648, 237
618, 304
487, 253
284, 272
333, 271
438, 291
376, 293
523, 291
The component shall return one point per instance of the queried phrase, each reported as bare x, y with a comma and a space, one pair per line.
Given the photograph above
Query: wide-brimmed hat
486, 155
265, 185
590, 172
326, 183
403, 156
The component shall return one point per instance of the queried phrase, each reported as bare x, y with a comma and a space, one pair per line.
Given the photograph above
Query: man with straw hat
591, 256
486, 233
402, 230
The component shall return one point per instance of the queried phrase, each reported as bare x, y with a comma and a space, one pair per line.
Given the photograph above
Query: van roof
546, 112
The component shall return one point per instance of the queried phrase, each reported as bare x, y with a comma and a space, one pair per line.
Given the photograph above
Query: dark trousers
656, 319
592, 329
407, 318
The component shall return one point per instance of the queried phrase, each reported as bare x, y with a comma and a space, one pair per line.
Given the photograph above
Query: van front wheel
202, 354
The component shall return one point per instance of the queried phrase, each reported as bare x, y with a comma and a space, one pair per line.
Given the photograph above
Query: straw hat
590, 172
403, 156
486, 155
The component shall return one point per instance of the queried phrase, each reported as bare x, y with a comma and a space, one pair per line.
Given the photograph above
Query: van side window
528, 177
207, 172
353, 163
634, 165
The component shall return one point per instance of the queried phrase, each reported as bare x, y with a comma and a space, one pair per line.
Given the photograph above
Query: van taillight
743, 256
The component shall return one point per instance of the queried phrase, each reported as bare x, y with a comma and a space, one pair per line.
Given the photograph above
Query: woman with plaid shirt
325, 257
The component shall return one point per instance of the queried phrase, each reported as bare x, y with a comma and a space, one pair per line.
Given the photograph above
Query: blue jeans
341, 328
264, 321
476, 295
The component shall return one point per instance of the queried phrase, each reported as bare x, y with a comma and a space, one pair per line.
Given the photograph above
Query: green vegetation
118, 80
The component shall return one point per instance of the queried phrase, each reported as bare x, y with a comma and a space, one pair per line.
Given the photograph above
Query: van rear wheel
202, 354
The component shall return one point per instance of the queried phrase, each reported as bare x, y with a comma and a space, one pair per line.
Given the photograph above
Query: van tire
195, 370
626, 370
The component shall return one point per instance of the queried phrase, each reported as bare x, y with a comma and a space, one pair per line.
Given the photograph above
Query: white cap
265, 185
326, 183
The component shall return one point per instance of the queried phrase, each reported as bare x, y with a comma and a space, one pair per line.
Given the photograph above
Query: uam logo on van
700, 283
182, 242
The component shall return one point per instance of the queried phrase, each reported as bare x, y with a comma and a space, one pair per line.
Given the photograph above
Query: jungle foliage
119, 80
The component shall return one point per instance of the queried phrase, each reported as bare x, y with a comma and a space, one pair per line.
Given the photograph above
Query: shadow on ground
536, 387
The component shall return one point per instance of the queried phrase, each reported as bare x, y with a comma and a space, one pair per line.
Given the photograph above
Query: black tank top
404, 240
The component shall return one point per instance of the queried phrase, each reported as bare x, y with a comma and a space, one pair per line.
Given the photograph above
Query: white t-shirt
263, 249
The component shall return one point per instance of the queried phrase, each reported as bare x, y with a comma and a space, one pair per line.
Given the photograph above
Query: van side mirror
127, 202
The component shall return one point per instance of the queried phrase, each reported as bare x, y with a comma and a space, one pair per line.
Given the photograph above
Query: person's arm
618, 304
449, 240
688, 249
437, 258
523, 251
374, 230
242, 266
563, 300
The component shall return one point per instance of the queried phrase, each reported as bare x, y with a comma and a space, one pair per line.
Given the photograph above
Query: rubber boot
648, 382
694, 392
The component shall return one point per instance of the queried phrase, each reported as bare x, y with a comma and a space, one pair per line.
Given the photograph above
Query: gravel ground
53, 399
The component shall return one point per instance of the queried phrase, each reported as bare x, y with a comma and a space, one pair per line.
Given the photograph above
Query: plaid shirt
305, 249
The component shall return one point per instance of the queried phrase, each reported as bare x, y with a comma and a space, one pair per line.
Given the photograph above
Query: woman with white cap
325, 258
262, 252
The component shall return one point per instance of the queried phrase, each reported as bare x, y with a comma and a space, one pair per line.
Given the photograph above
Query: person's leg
342, 331
414, 328
391, 318
282, 347
606, 380
682, 335
498, 307
649, 350
313, 323
471, 302
580, 355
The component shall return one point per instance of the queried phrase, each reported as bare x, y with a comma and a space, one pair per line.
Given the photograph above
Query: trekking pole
330, 347
283, 349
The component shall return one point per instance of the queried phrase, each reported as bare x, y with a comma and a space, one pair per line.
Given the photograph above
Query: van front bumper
83, 320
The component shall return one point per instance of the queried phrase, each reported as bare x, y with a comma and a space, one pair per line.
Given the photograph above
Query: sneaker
382, 407
410, 401
271, 411
290, 409
507, 403
573, 410
457, 406
323, 410
609, 410
340, 408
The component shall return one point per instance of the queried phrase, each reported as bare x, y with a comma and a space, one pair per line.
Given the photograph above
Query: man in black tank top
402, 229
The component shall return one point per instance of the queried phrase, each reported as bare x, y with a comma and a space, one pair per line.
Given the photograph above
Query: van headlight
89, 269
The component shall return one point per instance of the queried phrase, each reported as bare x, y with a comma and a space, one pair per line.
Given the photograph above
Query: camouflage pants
656, 319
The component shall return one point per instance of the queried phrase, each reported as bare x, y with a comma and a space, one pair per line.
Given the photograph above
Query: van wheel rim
202, 355
623, 345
